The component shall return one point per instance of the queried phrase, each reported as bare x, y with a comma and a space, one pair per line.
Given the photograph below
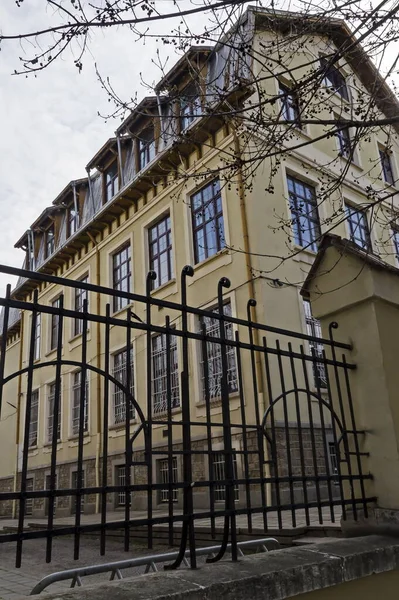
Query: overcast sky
50, 126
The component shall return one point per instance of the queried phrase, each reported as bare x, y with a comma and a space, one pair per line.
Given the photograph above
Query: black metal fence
205, 421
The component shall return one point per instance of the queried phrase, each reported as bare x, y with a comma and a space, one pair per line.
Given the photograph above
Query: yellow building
160, 196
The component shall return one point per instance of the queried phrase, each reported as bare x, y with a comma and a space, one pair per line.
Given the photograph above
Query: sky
50, 124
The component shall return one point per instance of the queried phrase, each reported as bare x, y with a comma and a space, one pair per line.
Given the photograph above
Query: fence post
361, 293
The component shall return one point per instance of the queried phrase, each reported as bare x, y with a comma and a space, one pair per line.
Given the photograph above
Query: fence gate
155, 417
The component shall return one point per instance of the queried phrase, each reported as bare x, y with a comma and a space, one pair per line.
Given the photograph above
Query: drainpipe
161, 127
18, 424
75, 200
251, 288
98, 365
118, 142
91, 190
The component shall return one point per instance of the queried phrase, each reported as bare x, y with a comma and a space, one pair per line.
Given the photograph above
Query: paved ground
16, 582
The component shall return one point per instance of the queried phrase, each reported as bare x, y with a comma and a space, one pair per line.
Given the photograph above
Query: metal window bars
279, 434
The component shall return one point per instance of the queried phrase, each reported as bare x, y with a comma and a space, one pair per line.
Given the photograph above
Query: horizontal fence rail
166, 426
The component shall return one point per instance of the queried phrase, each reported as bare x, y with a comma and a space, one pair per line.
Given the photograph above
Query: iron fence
224, 423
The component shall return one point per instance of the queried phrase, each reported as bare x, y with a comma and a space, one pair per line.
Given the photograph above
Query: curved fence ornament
237, 427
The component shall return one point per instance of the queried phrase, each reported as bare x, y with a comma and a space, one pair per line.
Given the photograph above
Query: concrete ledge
274, 576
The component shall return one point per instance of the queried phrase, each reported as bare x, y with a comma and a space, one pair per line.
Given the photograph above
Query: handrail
148, 561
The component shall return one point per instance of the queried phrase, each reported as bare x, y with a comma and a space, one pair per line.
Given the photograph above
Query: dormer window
146, 147
190, 106
111, 181
50, 241
334, 78
73, 220
289, 105
386, 166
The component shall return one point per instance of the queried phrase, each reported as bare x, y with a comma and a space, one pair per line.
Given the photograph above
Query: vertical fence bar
273, 450
128, 448
82, 400
244, 434
300, 437
287, 433
25, 448
188, 530
312, 434
355, 437
211, 488
259, 433
151, 277
230, 518
3, 347
56, 421
171, 486
331, 327
105, 432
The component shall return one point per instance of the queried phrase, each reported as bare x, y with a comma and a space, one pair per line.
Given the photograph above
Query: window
190, 106
344, 142
386, 164
48, 486
34, 419
160, 249
213, 356
50, 418
76, 401
29, 501
120, 479
160, 373
313, 329
73, 220
304, 213
289, 104
207, 216
395, 237
333, 461
166, 477
111, 181
146, 147
38, 326
54, 326
121, 275
120, 399
50, 241
219, 474
358, 227
80, 296
334, 78
74, 486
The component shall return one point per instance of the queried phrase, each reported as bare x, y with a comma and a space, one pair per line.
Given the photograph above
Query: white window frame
115, 391
50, 413
75, 404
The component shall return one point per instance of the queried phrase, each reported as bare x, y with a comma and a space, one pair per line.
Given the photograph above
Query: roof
346, 247
97, 158
173, 74
147, 103
68, 189
47, 212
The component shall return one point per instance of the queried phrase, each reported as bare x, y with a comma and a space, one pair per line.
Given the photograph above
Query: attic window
73, 220
334, 78
49, 241
190, 105
146, 147
111, 181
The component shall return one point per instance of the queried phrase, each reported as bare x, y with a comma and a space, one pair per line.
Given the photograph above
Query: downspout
251, 288
75, 200
19, 395
118, 142
161, 127
98, 365
91, 190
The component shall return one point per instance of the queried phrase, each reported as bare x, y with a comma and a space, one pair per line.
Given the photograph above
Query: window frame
111, 186
395, 241
50, 396
49, 242
353, 227
163, 470
54, 318
155, 258
75, 403
80, 295
34, 408
190, 106
161, 390
146, 147
217, 217
74, 484
344, 140
387, 170
116, 391
119, 302
219, 491
331, 73
73, 221
296, 214
313, 328
37, 336
289, 102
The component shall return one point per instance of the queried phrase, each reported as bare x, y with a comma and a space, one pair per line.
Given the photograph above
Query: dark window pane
304, 213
